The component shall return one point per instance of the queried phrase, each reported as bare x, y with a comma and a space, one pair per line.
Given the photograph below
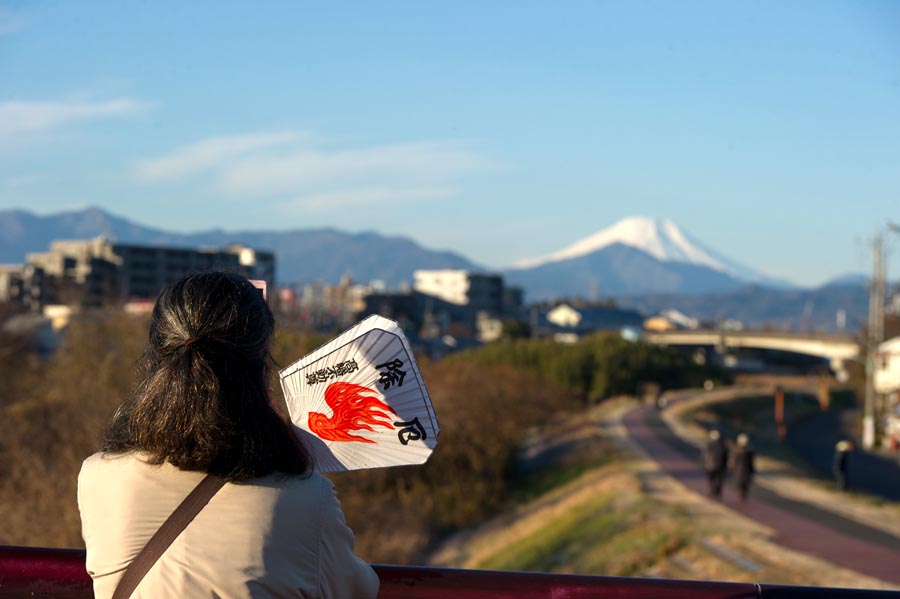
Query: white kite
360, 400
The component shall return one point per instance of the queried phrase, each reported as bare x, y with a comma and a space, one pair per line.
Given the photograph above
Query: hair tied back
190, 341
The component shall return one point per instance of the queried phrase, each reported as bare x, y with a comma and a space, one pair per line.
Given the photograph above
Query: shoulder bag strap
162, 538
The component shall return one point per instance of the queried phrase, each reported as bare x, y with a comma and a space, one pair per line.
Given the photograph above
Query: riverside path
799, 526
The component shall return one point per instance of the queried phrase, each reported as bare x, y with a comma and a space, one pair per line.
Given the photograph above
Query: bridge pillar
779, 412
824, 393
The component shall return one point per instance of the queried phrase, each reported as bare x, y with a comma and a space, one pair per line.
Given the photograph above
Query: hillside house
670, 320
567, 322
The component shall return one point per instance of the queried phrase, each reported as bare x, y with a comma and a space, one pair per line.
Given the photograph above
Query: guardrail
41, 573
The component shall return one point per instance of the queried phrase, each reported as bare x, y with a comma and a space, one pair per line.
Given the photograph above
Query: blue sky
770, 131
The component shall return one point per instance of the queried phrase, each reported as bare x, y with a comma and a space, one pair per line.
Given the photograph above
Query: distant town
442, 310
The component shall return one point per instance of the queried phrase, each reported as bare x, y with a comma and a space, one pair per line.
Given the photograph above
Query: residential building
10, 282
98, 271
479, 302
22, 284
489, 328
564, 315
328, 306
670, 320
345, 296
887, 367
887, 386
567, 322
405, 307
476, 291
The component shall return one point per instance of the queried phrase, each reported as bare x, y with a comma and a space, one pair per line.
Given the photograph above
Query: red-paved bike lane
793, 531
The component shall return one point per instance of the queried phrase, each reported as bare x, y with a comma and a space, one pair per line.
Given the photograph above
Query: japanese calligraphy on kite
323, 375
392, 373
360, 402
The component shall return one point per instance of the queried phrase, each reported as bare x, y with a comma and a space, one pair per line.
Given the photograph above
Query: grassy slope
613, 514
595, 520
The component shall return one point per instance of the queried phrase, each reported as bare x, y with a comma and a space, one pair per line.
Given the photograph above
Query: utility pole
874, 338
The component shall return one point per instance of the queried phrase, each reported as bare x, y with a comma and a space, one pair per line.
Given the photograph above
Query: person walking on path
742, 465
840, 464
715, 462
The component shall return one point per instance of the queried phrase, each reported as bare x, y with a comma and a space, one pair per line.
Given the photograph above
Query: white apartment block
476, 291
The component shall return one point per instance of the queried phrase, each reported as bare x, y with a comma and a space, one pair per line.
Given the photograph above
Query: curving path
799, 526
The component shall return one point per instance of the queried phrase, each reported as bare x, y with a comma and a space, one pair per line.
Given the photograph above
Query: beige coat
277, 536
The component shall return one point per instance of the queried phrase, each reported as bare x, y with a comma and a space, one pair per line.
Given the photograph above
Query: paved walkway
799, 526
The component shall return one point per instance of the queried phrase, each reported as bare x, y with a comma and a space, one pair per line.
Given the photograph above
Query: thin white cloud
18, 117
290, 172
20, 181
208, 154
426, 163
366, 196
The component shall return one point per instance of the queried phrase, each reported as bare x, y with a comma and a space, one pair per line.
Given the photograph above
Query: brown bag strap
162, 538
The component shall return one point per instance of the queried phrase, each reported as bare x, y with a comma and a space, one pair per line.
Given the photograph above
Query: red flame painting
353, 409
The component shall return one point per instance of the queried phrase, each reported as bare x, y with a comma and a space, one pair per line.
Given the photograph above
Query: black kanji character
411, 431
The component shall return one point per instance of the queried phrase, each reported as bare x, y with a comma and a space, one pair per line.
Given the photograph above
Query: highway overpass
837, 349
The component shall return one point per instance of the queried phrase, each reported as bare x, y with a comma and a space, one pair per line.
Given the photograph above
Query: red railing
59, 573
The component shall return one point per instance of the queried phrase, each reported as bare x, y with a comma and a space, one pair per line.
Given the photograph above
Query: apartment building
21, 284
98, 271
479, 301
477, 291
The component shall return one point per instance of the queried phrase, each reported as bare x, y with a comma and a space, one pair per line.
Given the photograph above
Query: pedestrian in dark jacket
715, 462
742, 465
839, 465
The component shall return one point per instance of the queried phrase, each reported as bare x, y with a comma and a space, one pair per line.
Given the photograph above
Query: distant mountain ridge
301, 255
668, 270
756, 306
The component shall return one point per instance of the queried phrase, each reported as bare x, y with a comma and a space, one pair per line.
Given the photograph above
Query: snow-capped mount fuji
636, 255
659, 237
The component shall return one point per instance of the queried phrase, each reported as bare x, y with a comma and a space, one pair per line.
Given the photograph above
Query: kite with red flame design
354, 408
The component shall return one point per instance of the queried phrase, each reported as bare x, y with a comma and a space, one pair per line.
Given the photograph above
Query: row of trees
599, 365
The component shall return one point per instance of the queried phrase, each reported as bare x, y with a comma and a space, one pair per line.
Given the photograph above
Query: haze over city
767, 131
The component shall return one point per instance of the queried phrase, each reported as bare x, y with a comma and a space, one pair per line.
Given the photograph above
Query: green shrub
596, 366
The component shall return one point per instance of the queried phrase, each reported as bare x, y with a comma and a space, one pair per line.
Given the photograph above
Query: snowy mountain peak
659, 237
663, 240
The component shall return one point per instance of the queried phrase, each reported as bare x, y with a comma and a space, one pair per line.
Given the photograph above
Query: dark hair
202, 403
